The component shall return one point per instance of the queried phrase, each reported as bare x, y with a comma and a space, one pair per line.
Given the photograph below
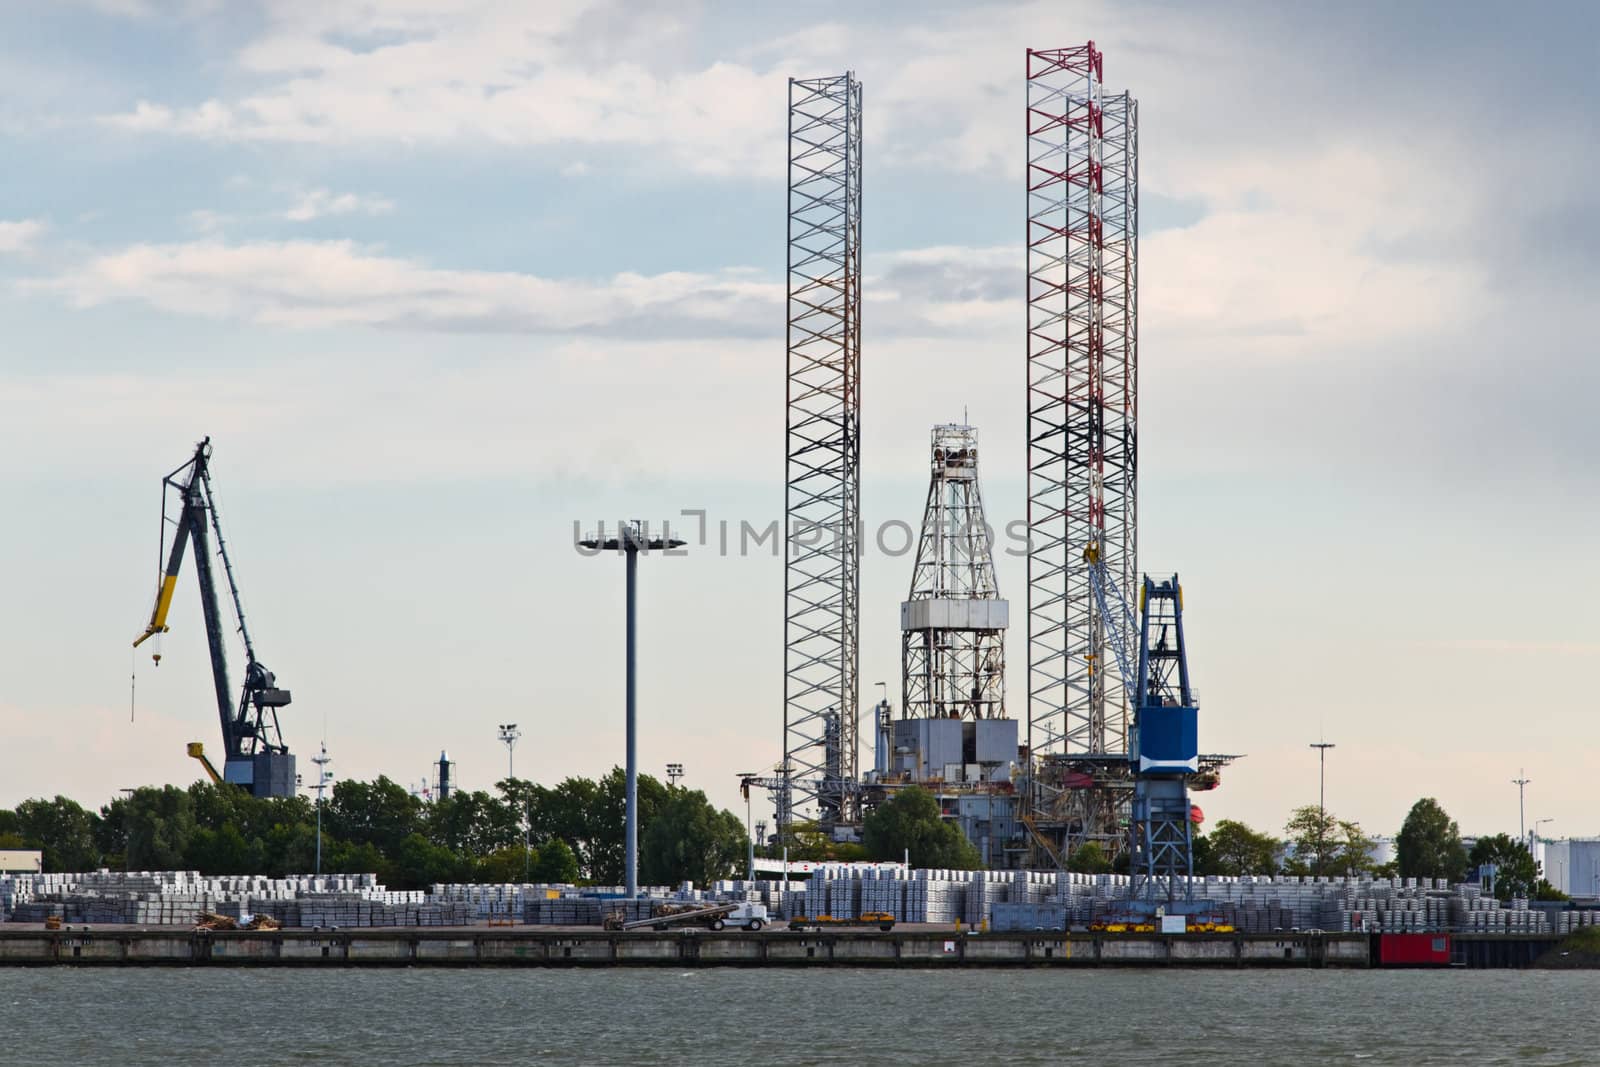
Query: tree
1324, 844
1088, 858
808, 841
474, 823
1516, 874
1429, 845
910, 820
1354, 855
510, 864
419, 863
62, 830
1235, 849
221, 851
589, 816
606, 821
158, 824
555, 863
381, 813
1546, 891
689, 840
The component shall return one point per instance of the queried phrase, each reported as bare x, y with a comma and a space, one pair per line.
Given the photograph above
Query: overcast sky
440, 279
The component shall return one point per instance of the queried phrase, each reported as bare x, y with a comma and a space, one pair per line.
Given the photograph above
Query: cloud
19, 236
319, 203
519, 75
320, 284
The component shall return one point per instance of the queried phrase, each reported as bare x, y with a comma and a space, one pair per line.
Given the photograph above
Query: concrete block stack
936, 896
844, 895
883, 892
774, 895
488, 901
1568, 921
1023, 915
984, 891
563, 911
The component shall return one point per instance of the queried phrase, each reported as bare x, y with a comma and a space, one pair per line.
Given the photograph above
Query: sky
443, 279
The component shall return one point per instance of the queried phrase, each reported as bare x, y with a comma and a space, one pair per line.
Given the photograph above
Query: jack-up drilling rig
255, 756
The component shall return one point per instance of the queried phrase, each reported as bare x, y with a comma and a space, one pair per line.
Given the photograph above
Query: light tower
1082, 404
1521, 782
953, 623
674, 773
508, 737
630, 540
1322, 798
822, 452
324, 776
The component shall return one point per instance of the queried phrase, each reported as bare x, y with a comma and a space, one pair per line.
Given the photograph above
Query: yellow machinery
197, 750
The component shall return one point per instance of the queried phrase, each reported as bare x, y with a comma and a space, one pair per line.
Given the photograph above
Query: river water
122, 1017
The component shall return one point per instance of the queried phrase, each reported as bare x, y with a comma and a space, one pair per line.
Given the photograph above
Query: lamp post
631, 539
1322, 798
508, 737
1521, 782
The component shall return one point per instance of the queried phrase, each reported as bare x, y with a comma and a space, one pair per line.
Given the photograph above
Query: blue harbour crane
1164, 744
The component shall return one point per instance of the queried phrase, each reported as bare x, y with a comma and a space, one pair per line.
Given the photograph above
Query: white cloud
320, 203
204, 220
19, 236
517, 74
321, 284
316, 284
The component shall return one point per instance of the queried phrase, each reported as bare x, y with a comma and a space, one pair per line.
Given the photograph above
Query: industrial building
21, 861
1572, 865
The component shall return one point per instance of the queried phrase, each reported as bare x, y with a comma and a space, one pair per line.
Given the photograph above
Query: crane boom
1117, 619
180, 541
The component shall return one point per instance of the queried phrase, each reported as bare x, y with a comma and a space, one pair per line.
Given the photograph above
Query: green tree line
574, 833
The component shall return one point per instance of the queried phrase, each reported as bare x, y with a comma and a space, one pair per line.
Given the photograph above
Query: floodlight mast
630, 540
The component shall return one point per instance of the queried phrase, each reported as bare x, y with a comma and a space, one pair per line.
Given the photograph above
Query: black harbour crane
255, 756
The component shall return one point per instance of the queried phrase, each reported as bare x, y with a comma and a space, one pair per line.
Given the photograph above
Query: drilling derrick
1082, 394
953, 624
822, 456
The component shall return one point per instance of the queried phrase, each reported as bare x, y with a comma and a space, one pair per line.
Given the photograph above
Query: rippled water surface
370, 1018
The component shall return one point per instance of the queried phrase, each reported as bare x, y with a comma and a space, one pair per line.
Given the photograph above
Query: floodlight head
632, 537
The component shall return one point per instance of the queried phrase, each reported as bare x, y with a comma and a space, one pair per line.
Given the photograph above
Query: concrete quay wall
534, 946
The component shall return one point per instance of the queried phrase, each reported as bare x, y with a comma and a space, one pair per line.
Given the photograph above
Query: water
371, 1018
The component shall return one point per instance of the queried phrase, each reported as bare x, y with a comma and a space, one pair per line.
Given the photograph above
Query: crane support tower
822, 456
255, 756
1082, 182
953, 624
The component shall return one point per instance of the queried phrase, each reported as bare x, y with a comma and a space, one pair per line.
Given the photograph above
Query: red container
1413, 950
